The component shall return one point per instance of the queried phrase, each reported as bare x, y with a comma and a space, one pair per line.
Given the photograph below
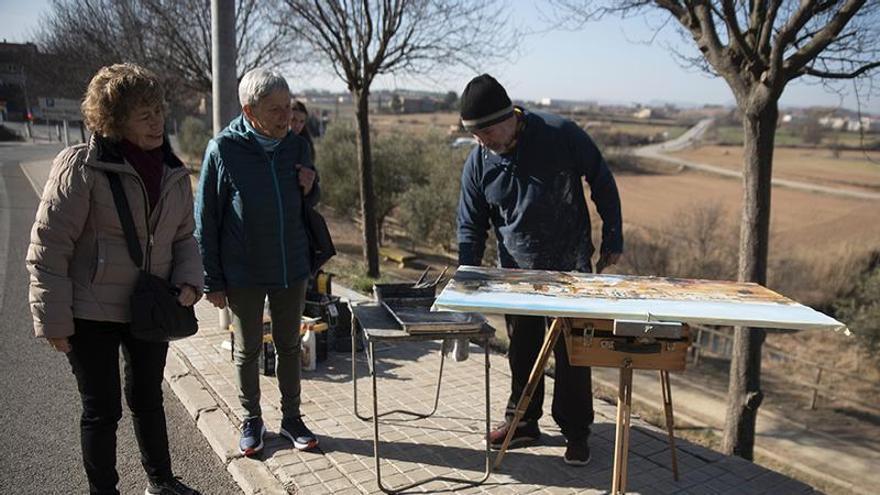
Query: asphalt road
39, 404
692, 135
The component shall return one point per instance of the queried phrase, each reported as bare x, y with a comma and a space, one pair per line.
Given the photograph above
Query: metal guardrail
718, 343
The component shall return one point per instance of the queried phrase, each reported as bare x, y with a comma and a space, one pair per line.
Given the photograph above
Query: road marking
24, 170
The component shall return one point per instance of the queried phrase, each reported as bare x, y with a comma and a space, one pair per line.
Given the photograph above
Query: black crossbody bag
321, 247
156, 316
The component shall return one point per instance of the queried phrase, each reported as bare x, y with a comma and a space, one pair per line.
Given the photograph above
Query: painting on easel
572, 294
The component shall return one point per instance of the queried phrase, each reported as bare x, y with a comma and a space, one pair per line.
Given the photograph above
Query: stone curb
251, 475
255, 478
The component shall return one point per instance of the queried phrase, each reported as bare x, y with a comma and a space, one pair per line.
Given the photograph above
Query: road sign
51, 108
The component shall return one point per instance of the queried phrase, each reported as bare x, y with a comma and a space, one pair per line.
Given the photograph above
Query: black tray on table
410, 307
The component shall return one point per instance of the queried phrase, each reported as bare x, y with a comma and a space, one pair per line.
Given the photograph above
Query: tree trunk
380, 228
744, 391
365, 166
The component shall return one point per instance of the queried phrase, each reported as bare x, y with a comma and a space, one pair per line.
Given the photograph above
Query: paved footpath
201, 373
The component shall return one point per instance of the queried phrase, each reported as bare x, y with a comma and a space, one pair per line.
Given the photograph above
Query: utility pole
223, 76
224, 83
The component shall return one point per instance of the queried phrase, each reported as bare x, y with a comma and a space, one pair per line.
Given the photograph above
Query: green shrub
860, 309
194, 137
398, 166
415, 178
338, 168
428, 211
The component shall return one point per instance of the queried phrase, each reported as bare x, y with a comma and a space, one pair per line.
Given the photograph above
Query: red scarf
148, 164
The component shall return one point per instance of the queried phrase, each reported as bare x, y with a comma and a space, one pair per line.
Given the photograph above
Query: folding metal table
379, 326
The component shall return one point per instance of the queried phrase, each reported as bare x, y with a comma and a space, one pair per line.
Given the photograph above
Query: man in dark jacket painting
525, 180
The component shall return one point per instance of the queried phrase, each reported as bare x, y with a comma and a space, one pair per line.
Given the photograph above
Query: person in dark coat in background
256, 177
526, 181
299, 120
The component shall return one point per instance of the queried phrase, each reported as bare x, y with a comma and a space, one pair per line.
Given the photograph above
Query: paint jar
308, 352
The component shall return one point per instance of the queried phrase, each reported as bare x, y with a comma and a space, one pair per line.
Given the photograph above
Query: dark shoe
252, 431
171, 486
526, 433
297, 432
577, 453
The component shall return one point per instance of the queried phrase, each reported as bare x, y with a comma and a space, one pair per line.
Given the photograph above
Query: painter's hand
60, 344
606, 260
306, 178
218, 299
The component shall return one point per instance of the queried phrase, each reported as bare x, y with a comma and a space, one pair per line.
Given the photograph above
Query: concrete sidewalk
202, 375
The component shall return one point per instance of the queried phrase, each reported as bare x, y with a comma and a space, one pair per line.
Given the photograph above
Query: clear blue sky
607, 61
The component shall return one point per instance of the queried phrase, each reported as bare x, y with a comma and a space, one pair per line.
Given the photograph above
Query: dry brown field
802, 222
420, 123
851, 170
416, 123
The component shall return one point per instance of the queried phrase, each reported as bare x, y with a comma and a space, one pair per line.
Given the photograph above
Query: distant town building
831, 122
418, 105
850, 124
866, 124
15, 58
643, 113
567, 105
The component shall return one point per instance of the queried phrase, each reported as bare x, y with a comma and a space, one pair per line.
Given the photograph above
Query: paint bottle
309, 351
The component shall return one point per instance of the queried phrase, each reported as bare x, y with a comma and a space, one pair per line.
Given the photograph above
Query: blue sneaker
252, 431
297, 432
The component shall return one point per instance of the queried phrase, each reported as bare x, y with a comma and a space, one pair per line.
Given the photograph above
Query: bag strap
125, 217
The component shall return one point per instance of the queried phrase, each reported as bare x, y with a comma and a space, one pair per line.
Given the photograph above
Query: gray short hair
258, 83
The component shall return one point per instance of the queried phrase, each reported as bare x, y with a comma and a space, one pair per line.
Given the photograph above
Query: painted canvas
585, 295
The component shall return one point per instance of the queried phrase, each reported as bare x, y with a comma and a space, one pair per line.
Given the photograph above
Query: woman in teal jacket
255, 177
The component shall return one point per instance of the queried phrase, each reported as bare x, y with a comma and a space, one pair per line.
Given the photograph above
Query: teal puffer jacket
249, 217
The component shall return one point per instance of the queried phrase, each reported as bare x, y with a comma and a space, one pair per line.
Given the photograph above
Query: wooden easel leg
534, 378
621, 439
670, 419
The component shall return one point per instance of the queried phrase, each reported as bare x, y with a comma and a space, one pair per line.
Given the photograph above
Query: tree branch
797, 61
738, 42
809, 71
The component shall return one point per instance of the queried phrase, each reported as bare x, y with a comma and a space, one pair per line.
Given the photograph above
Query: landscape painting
571, 294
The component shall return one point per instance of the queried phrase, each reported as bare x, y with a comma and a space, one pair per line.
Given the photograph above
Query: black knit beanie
484, 102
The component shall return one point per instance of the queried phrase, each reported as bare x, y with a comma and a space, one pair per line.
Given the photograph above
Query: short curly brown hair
114, 92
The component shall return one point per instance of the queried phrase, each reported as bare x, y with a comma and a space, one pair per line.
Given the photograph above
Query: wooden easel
626, 362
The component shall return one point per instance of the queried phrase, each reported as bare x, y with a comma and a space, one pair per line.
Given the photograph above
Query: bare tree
362, 40
172, 37
758, 47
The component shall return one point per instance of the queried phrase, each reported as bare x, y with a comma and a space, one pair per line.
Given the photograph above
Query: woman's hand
188, 295
306, 178
60, 344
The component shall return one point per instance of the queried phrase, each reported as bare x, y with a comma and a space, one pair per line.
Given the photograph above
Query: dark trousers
286, 306
94, 359
572, 390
